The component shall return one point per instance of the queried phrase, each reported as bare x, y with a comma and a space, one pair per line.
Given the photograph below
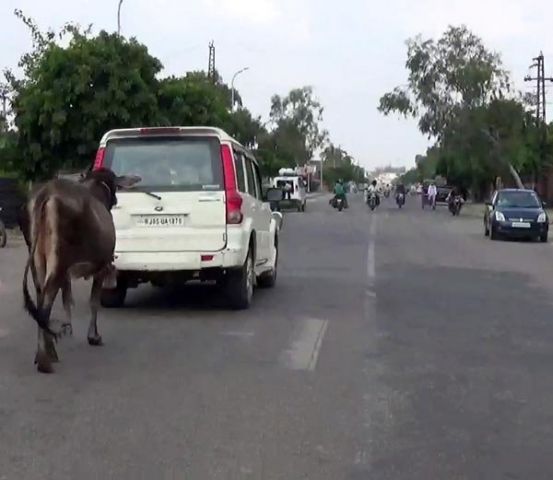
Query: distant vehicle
199, 212
400, 199
294, 191
443, 193
516, 213
371, 201
455, 204
3, 232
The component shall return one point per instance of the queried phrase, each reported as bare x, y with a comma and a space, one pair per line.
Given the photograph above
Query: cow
24, 222
71, 235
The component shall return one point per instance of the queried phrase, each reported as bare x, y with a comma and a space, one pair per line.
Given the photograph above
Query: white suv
198, 212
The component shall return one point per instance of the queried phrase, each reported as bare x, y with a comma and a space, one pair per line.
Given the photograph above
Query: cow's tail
35, 311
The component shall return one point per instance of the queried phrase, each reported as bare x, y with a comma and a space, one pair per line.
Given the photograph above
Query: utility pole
541, 106
540, 79
211, 65
4, 97
119, 17
232, 95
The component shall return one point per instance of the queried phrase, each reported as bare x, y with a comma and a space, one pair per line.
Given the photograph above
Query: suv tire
268, 279
114, 298
239, 284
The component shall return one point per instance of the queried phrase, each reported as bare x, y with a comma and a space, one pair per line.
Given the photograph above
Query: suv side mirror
273, 195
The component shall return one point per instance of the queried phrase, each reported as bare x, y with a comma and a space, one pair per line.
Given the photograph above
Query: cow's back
81, 224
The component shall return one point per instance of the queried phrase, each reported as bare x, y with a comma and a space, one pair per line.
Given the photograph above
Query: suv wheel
268, 279
543, 238
114, 297
239, 284
3, 235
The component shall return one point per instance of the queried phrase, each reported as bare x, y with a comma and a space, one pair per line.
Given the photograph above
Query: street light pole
232, 86
119, 18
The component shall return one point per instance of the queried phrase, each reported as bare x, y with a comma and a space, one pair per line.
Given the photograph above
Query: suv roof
168, 131
517, 190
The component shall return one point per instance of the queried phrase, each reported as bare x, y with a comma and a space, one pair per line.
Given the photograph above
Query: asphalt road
400, 344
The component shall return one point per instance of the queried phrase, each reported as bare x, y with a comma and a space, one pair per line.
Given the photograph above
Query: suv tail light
234, 199
99, 160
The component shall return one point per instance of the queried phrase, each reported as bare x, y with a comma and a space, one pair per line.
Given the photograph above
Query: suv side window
257, 181
240, 172
251, 178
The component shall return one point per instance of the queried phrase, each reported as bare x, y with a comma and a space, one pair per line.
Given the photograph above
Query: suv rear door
180, 203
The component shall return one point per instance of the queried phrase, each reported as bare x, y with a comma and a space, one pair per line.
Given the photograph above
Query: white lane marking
371, 268
361, 458
306, 345
237, 333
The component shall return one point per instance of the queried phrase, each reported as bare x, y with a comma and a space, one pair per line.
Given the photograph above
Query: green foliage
8, 151
73, 95
73, 91
456, 71
459, 92
338, 164
296, 119
192, 100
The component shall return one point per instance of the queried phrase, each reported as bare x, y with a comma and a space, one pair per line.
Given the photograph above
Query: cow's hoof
43, 363
66, 330
95, 341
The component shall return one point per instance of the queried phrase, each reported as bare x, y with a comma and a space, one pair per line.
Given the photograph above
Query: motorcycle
455, 205
372, 201
3, 233
400, 199
338, 203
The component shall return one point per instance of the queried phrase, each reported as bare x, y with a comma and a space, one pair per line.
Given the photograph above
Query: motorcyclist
340, 192
455, 192
400, 189
372, 189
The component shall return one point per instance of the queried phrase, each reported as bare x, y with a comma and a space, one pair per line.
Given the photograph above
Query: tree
460, 94
71, 95
296, 119
452, 73
192, 100
339, 164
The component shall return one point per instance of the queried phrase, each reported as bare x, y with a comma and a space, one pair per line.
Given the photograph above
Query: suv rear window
168, 164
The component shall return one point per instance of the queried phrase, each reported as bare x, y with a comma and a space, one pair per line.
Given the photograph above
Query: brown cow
71, 235
24, 222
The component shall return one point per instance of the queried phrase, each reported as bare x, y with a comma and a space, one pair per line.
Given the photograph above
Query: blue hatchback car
516, 213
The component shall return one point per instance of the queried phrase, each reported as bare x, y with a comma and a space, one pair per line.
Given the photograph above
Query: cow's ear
127, 181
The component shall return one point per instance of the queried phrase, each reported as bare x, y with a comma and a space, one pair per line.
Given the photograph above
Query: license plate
520, 225
160, 220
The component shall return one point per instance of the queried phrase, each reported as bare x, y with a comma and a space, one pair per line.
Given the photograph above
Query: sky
351, 52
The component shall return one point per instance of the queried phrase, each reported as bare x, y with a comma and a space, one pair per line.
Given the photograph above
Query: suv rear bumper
178, 261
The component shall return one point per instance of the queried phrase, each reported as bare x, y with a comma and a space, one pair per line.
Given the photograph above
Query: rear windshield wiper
153, 195
150, 194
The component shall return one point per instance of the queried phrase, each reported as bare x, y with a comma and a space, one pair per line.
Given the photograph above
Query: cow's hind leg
67, 297
46, 349
93, 337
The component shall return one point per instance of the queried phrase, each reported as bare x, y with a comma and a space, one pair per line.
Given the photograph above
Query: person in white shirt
372, 189
432, 192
